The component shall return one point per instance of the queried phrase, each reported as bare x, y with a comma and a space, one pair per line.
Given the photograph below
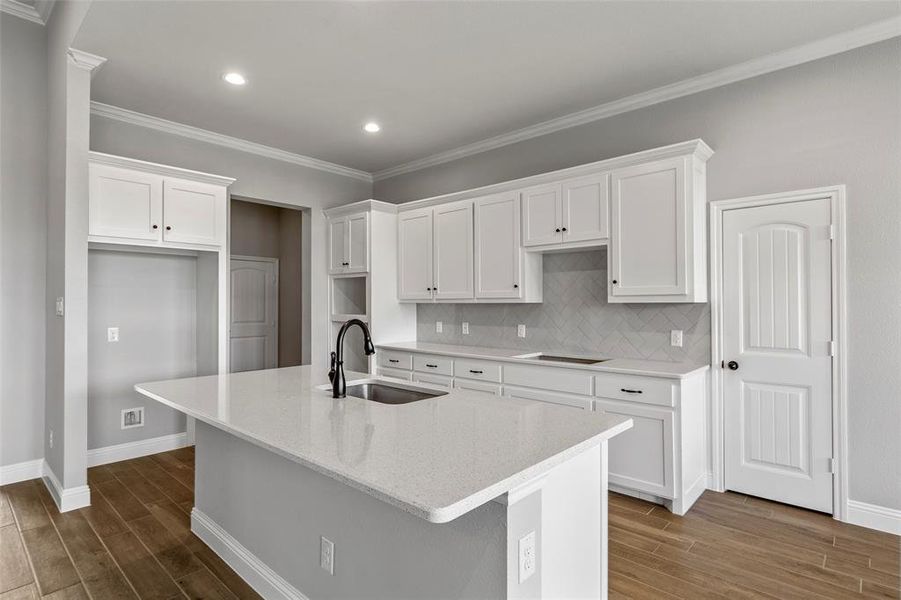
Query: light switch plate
327, 555
675, 338
112, 334
465, 328
527, 557
521, 330
439, 327
60, 307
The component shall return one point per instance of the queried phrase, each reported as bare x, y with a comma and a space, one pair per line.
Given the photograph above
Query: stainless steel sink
577, 360
390, 394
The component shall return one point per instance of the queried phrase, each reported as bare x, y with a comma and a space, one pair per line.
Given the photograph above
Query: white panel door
253, 326
498, 254
585, 208
125, 204
777, 329
358, 243
542, 215
337, 245
453, 251
414, 255
193, 213
648, 234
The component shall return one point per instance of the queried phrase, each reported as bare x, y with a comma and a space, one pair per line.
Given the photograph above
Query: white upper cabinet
124, 203
542, 214
498, 253
414, 255
453, 251
348, 244
138, 203
658, 236
585, 208
193, 213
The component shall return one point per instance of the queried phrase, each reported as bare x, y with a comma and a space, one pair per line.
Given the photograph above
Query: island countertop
437, 458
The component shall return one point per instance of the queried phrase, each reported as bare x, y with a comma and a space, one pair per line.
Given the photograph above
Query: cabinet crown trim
360, 206
123, 162
696, 148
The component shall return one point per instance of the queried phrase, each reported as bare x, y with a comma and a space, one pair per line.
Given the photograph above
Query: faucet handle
331, 372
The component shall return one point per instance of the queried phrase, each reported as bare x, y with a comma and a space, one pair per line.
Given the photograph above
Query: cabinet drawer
436, 380
647, 390
397, 373
478, 386
543, 396
642, 458
395, 360
429, 363
477, 369
549, 378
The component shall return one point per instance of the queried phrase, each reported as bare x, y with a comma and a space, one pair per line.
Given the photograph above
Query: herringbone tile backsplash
575, 318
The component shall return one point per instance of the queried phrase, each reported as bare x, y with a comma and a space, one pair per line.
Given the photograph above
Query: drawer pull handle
431, 366
476, 372
393, 360
630, 391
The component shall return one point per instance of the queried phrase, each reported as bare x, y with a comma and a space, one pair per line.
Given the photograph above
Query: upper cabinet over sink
485, 245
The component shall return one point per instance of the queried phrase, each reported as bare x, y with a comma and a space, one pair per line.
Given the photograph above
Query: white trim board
195, 133
22, 471
129, 450
836, 195
842, 42
23, 11
874, 517
246, 564
66, 499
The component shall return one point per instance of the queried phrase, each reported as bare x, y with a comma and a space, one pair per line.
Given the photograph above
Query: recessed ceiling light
372, 127
234, 78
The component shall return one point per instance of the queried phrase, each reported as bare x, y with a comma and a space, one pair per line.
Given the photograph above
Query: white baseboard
129, 450
66, 498
874, 517
23, 471
255, 572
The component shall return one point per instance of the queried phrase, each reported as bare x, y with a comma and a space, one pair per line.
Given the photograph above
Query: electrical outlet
675, 338
51, 438
112, 334
527, 558
60, 307
521, 330
439, 327
465, 328
132, 417
327, 555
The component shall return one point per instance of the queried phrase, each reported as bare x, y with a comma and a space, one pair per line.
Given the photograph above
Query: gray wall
274, 232
151, 298
835, 120
23, 237
575, 318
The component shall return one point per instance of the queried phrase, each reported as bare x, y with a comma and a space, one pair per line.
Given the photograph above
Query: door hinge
830, 230
831, 348
830, 465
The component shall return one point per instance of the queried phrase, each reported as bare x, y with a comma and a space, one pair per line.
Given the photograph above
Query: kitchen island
438, 498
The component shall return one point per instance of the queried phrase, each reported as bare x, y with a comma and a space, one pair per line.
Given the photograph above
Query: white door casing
414, 255
253, 318
498, 254
453, 253
777, 333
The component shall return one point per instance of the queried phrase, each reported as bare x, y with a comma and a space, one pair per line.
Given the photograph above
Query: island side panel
278, 509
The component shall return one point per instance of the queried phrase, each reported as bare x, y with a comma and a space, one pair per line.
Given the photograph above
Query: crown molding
195, 133
23, 11
45, 9
85, 60
123, 162
842, 42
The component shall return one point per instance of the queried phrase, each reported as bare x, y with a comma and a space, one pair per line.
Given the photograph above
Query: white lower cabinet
570, 400
642, 457
437, 380
493, 389
396, 373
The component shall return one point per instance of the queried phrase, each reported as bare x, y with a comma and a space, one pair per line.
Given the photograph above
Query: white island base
264, 515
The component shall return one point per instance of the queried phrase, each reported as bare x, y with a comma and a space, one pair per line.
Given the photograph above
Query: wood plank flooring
135, 542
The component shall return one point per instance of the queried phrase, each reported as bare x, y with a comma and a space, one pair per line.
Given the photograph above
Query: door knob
733, 366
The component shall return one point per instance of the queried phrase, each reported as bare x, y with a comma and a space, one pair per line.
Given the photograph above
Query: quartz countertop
627, 366
437, 458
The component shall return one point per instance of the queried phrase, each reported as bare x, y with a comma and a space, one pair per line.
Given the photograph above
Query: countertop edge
443, 514
601, 368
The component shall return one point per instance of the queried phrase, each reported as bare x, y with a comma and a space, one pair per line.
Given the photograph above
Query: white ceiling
436, 75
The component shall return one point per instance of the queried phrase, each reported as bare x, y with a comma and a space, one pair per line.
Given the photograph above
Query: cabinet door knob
557, 230
428, 289
168, 227
515, 285
614, 281
156, 226
564, 229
